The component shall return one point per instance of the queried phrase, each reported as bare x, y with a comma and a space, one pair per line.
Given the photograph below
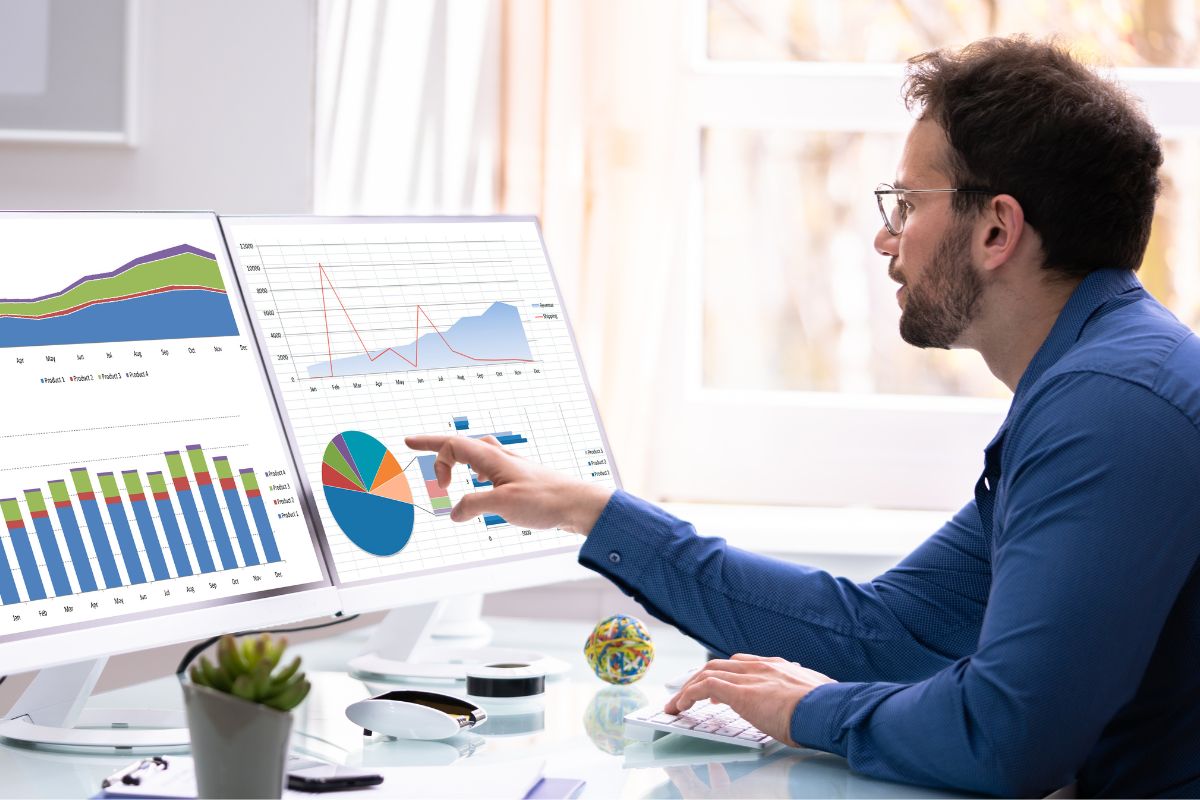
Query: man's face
931, 259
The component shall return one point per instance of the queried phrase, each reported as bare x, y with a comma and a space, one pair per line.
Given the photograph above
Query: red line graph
131, 296
415, 362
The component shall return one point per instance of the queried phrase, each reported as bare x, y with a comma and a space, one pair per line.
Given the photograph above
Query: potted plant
239, 717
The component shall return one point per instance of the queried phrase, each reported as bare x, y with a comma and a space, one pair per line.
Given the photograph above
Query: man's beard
939, 307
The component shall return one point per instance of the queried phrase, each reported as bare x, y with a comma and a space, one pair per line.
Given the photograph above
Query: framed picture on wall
67, 71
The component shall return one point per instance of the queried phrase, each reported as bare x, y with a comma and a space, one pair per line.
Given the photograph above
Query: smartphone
330, 778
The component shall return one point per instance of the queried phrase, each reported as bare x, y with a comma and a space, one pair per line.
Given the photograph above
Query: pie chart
367, 493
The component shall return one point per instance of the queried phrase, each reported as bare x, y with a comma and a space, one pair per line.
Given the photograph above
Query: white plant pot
240, 748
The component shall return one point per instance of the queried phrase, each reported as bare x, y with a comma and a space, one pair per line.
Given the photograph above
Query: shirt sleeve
903, 626
1096, 536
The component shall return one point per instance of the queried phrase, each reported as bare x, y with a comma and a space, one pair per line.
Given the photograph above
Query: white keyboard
716, 722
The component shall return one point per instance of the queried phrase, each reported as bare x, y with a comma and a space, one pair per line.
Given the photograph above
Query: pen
132, 774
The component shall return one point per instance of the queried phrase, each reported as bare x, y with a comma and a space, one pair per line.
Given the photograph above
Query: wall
224, 118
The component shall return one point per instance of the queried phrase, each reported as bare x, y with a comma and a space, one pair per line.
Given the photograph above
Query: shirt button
614, 557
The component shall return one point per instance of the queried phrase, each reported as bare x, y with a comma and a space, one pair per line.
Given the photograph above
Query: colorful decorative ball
619, 649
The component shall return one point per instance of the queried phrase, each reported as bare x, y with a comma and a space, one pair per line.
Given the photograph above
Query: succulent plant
247, 670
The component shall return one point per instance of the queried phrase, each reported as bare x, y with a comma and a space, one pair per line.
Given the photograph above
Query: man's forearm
734, 601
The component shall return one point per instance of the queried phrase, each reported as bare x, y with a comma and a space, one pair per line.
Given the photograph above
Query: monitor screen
378, 328
144, 470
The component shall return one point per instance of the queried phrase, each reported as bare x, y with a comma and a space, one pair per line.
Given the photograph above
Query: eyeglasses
894, 209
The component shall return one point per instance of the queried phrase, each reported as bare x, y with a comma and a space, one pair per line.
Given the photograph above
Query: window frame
818, 448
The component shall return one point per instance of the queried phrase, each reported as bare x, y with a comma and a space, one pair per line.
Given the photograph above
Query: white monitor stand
438, 641
50, 713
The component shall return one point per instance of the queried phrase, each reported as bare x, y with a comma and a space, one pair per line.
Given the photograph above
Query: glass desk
576, 729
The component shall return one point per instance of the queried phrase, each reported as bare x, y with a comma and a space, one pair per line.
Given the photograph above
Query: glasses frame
886, 189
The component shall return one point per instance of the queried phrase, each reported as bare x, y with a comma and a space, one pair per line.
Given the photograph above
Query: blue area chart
177, 293
175, 315
495, 336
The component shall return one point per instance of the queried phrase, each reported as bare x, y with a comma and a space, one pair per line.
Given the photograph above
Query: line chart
498, 328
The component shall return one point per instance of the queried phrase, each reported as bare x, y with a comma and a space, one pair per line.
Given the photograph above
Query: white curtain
567, 109
407, 107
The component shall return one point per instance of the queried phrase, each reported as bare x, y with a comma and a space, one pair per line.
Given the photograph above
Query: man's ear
1001, 227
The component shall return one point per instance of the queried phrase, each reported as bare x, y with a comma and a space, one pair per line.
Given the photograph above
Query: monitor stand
50, 713
438, 641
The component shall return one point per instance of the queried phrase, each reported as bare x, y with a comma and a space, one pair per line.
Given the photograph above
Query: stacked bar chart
259, 509
69, 525
134, 536
504, 437
19, 538
439, 498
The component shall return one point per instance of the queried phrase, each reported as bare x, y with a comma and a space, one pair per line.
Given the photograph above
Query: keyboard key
752, 736
663, 716
708, 727
685, 724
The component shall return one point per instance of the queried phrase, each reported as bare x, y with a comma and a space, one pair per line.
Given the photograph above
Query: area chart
175, 293
494, 336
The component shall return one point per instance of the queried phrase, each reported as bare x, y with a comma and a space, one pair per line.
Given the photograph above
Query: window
789, 319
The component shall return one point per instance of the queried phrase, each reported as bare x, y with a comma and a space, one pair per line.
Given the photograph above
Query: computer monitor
147, 489
376, 328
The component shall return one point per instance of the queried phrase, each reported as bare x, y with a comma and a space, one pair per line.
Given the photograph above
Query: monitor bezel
375, 594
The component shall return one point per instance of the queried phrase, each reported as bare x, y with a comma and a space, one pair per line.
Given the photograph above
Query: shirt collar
1099, 287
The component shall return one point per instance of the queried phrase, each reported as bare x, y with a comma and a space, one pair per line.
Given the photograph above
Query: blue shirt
1049, 632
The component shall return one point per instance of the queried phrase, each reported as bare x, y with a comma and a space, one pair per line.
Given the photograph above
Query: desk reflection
604, 718
782, 773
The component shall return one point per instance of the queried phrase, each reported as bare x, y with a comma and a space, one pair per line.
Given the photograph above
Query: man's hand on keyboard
764, 691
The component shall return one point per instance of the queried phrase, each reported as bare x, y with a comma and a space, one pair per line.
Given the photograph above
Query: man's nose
886, 244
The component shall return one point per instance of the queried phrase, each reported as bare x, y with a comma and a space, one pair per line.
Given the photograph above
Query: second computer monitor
379, 328
146, 485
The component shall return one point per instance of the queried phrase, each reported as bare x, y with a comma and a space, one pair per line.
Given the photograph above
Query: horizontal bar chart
510, 438
133, 536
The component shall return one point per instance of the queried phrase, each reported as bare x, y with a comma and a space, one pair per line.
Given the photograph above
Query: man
1050, 632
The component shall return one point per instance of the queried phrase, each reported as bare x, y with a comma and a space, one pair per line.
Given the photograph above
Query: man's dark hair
1026, 119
